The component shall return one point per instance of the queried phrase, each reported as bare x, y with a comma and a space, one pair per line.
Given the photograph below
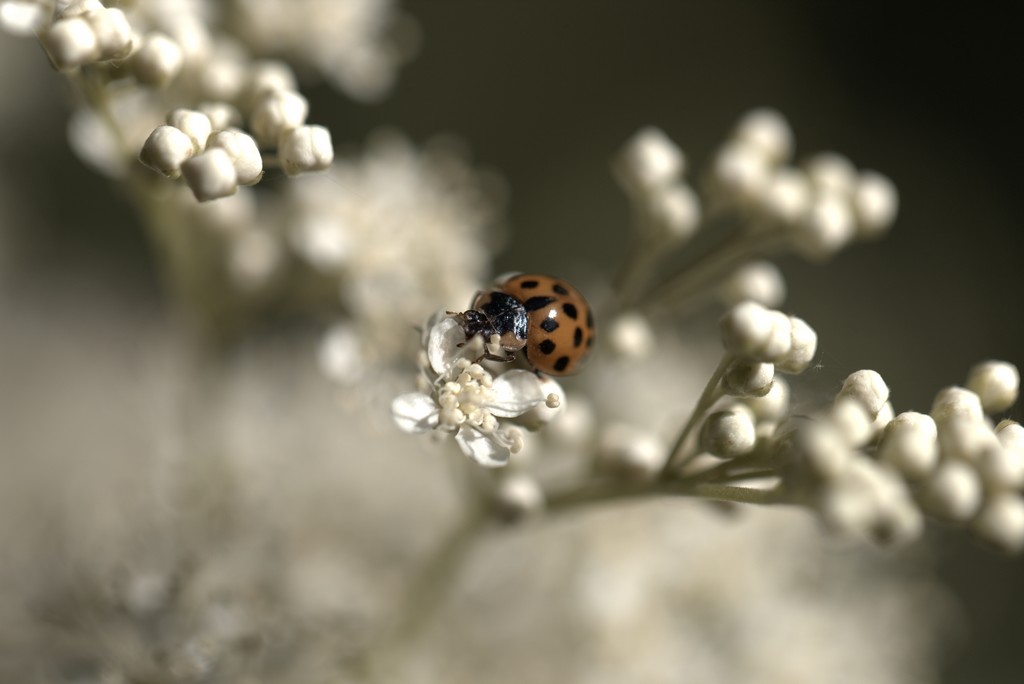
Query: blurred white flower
353, 43
401, 230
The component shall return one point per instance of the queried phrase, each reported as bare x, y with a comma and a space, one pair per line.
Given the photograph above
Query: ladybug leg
508, 358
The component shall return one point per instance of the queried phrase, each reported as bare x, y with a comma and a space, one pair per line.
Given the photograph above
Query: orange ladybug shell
561, 323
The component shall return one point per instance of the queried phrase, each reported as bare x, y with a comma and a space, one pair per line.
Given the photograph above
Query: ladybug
544, 316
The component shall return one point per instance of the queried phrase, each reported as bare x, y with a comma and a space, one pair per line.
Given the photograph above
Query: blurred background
544, 93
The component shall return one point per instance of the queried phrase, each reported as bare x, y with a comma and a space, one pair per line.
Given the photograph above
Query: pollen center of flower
465, 399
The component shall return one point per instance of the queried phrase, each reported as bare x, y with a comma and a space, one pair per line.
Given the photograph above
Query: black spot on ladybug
569, 308
577, 337
549, 325
590, 319
561, 363
547, 346
590, 342
560, 289
534, 303
528, 284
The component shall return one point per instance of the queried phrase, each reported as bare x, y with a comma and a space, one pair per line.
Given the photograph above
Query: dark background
545, 92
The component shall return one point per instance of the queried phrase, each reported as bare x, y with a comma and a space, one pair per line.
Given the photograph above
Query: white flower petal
515, 393
414, 412
443, 342
481, 449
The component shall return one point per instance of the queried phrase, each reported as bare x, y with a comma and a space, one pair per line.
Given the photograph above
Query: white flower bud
113, 32
676, 210
745, 327
243, 152
189, 32
277, 112
758, 281
1010, 434
269, 75
787, 196
803, 345
832, 173
221, 114
742, 170
911, 444
81, 7
953, 491
867, 387
158, 61
748, 378
899, 522
650, 160
827, 227
630, 452
847, 509
166, 149
727, 434
772, 406
996, 383
767, 130
70, 43
1002, 467
825, 450
307, 148
222, 75
211, 175
957, 402
1001, 522
195, 125
518, 495
24, 17
630, 336
851, 419
548, 410
875, 204
779, 343
966, 439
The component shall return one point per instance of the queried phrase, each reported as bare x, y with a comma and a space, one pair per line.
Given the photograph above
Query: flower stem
424, 595
712, 391
716, 264
609, 491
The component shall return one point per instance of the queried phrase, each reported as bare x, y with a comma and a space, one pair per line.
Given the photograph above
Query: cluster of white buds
221, 157
832, 470
214, 163
872, 474
158, 59
821, 205
87, 32
969, 471
755, 333
651, 168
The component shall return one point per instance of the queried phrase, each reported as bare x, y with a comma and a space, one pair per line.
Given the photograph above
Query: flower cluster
819, 206
863, 470
208, 81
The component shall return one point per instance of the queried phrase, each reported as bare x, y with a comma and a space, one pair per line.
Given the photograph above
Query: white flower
464, 399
